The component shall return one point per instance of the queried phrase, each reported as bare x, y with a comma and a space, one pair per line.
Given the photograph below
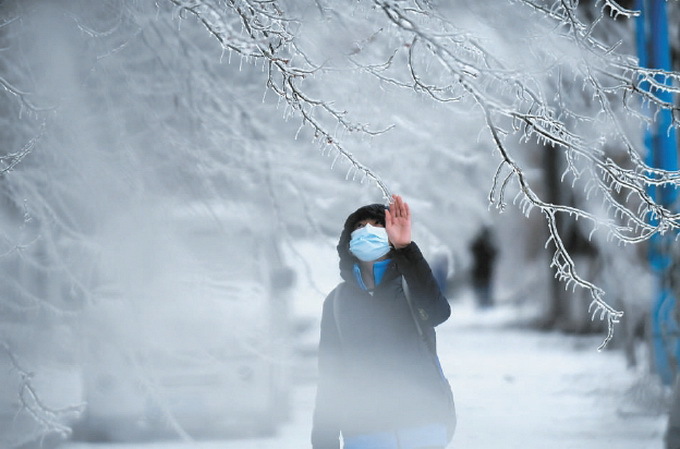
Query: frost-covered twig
618, 10
51, 420
11, 160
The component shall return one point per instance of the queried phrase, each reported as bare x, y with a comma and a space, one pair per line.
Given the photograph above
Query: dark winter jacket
373, 373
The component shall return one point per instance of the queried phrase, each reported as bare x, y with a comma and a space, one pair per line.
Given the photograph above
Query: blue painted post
654, 52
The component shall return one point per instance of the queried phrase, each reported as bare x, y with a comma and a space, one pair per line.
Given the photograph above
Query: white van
190, 333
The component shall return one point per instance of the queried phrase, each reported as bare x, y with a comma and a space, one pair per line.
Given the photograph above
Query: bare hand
398, 223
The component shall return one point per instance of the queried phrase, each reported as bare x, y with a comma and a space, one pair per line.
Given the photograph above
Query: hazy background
161, 206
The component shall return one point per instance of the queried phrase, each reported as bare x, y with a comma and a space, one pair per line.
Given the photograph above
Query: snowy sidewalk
514, 389
517, 388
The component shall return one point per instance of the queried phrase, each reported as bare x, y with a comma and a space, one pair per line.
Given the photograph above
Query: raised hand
398, 223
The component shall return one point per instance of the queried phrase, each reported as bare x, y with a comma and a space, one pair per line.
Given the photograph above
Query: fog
163, 208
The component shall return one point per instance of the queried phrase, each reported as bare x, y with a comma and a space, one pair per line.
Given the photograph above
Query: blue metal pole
660, 55
654, 52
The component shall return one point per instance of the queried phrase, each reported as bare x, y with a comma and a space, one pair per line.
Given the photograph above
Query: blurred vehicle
190, 333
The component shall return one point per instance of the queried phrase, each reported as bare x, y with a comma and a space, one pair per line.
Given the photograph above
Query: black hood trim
347, 260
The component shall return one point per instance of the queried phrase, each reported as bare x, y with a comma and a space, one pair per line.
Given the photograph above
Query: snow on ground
514, 388
517, 388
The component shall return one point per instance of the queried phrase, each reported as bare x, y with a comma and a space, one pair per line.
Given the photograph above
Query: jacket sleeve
429, 304
325, 425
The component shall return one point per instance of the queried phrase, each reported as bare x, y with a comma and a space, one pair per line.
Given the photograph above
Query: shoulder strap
336, 311
410, 306
419, 327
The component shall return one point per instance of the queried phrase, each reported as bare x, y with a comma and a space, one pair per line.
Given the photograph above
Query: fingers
399, 208
395, 206
388, 218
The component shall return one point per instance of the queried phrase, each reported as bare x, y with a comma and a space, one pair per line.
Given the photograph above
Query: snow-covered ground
517, 388
514, 388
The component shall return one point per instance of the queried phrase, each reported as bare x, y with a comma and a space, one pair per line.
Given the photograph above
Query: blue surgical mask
369, 243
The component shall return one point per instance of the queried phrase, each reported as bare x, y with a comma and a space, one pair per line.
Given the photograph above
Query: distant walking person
380, 382
483, 258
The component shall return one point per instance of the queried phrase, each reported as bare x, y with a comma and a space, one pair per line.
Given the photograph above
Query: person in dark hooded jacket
378, 386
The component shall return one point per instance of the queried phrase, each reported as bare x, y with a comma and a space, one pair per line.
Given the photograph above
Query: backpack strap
423, 314
336, 311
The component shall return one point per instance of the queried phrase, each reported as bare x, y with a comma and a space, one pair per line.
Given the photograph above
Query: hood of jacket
347, 260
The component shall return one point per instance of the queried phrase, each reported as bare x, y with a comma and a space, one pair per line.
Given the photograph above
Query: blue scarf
379, 269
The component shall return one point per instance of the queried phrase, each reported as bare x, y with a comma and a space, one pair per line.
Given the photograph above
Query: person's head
373, 215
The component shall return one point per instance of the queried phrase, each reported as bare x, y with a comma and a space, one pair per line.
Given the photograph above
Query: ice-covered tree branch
266, 36
508, 96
